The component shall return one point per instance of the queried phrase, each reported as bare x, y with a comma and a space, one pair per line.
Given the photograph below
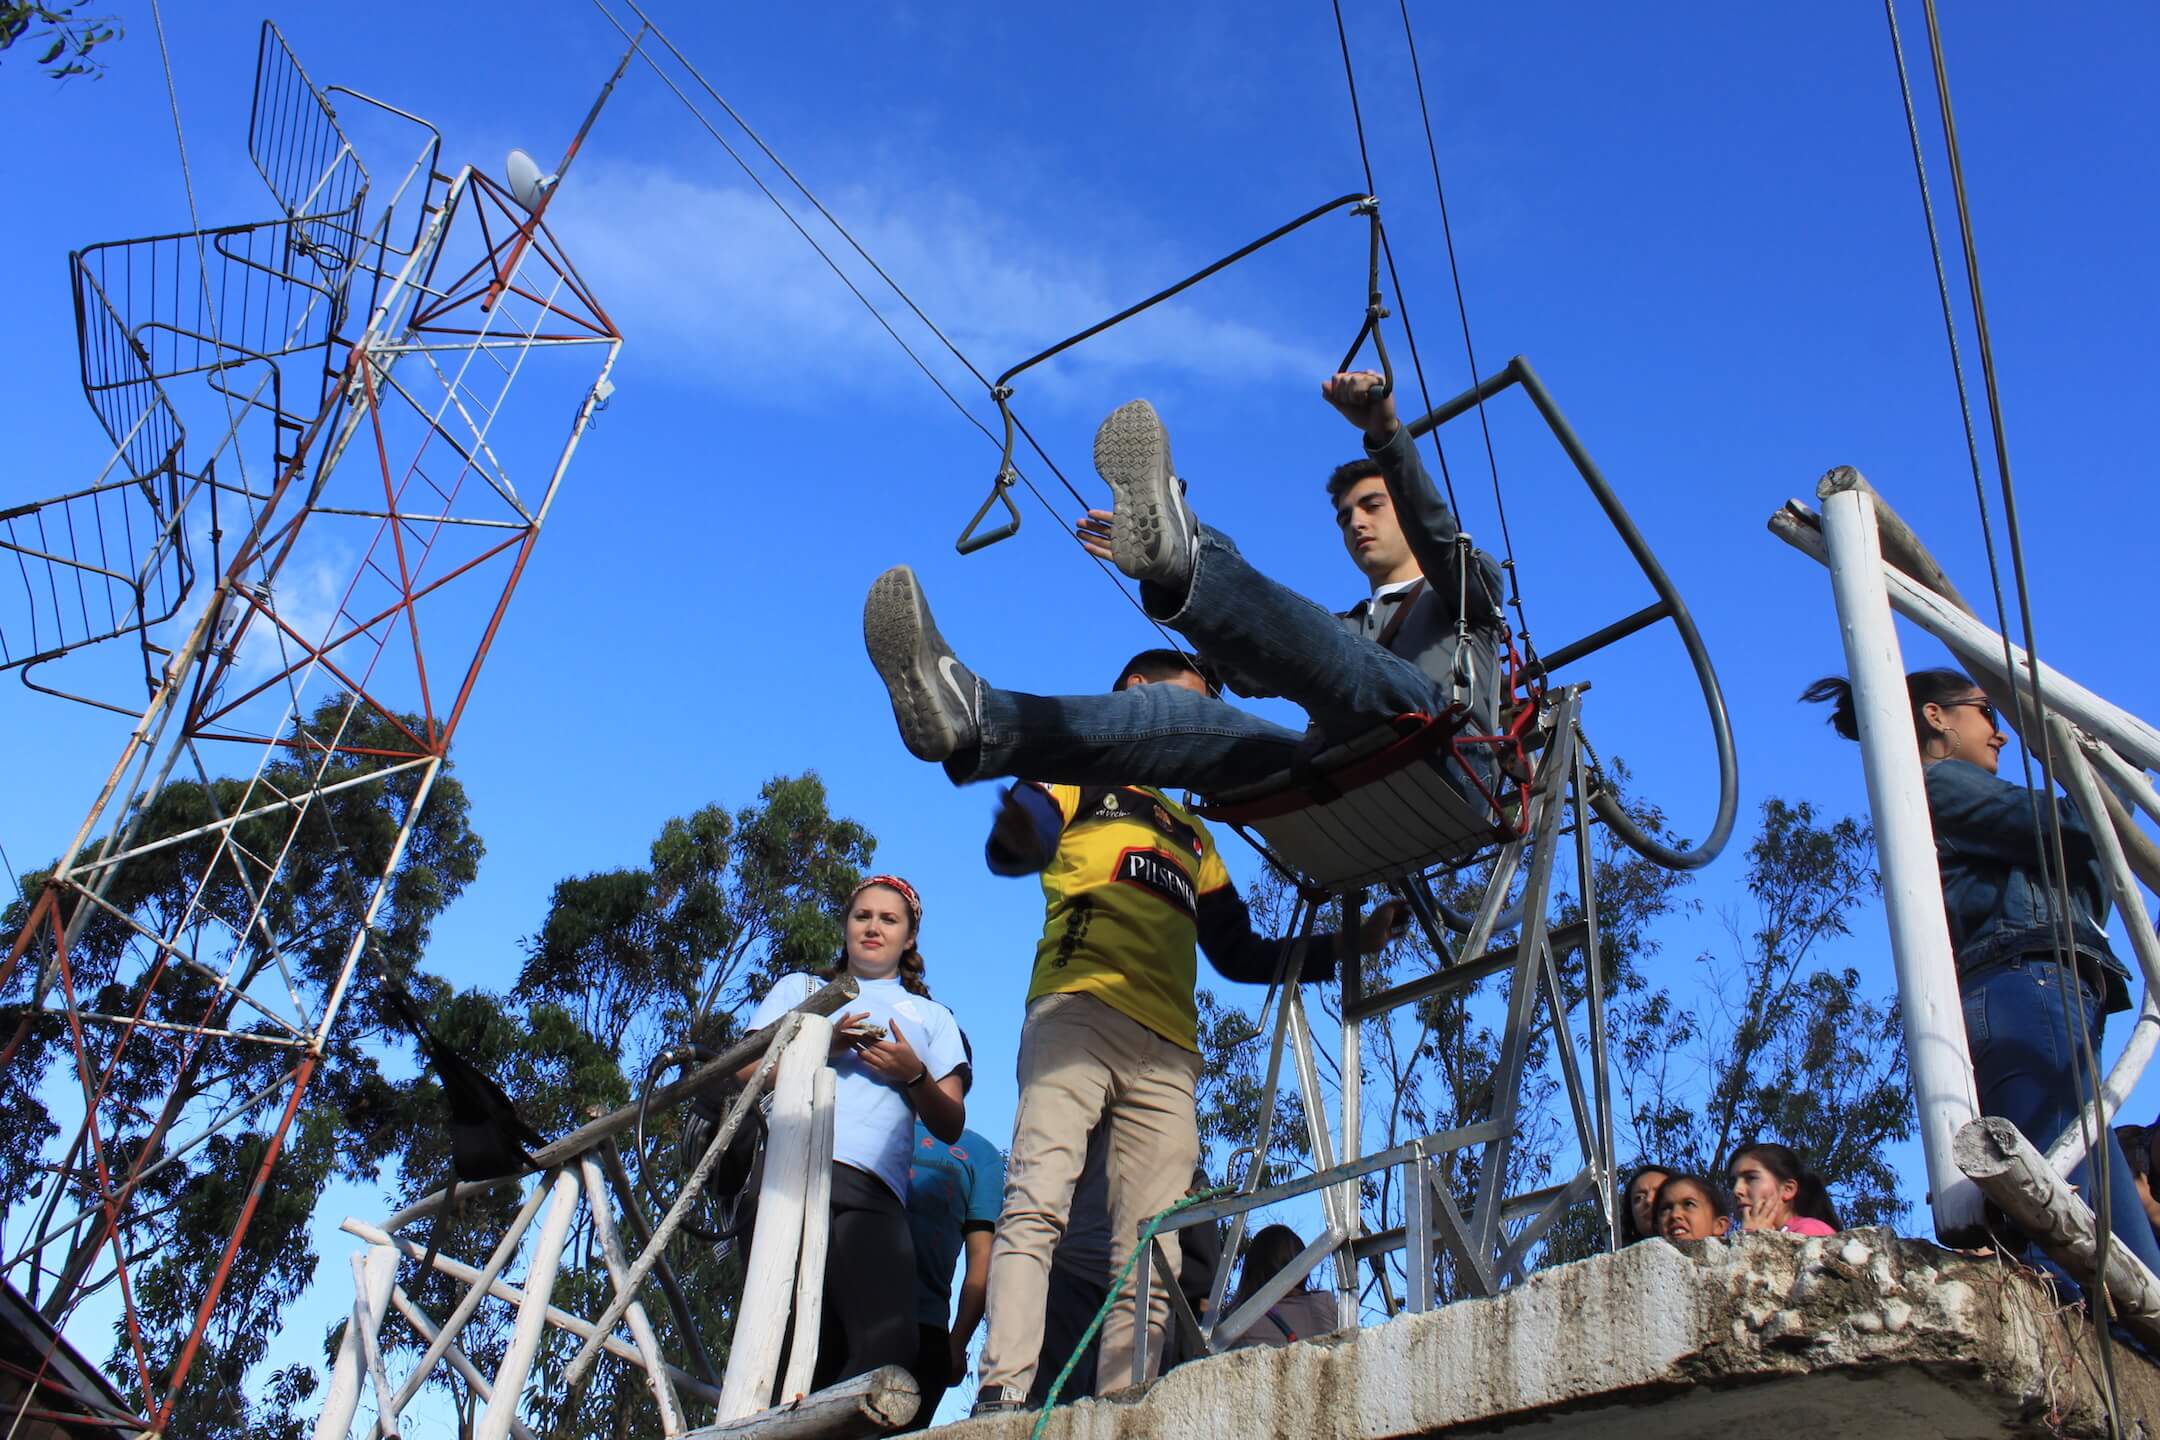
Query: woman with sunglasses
2027, 1008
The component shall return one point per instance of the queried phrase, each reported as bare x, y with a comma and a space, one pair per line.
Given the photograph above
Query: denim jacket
1999, 903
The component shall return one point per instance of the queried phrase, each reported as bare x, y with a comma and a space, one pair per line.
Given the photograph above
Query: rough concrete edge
1607, 1331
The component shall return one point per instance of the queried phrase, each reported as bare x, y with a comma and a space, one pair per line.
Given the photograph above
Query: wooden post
348, 1374
579, 1370
502, 1289
2018, 1178
532, 1315
2067, 1150
1941, 1065
367, 1318
440, 1342
641, 1329
817, 1235
427, 1330
872, 1404
754, 1357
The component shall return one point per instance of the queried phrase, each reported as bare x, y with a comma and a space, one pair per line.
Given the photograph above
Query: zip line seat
1373, 808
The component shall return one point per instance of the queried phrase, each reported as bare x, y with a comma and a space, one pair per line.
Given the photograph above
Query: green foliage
199, 895
1775, 1046
66, 36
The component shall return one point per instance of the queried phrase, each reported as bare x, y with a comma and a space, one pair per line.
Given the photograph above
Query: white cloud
716, 275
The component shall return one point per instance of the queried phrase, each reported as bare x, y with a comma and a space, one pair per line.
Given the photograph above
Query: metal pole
1941, 1066
1350, 962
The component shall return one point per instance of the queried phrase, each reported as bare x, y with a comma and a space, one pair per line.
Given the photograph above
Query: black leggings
869, 1280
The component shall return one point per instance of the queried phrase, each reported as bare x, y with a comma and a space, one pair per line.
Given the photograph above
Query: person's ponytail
1922, 689
1837, 690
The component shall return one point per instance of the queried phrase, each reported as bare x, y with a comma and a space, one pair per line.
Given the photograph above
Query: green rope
1117, 1286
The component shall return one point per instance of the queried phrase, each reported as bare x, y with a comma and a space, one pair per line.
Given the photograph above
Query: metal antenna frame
435, 342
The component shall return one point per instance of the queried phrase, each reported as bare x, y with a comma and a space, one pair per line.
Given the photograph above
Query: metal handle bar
1001, 389
1669, 606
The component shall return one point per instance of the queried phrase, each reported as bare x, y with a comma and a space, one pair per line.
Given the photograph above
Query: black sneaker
1152, 537
935, 698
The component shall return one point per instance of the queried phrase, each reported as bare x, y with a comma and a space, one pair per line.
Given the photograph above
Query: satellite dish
527, 184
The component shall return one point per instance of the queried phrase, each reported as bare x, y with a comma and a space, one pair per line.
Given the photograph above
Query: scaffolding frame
1877, 566
380, 372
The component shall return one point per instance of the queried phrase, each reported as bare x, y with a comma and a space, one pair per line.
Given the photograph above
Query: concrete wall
1863, 1335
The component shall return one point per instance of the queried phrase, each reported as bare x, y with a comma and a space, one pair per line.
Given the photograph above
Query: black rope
2054, 859
1462, 309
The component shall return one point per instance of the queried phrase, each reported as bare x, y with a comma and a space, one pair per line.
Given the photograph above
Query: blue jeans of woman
2022, 1021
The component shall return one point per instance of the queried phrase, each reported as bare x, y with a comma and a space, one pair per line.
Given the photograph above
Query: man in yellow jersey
1134, 888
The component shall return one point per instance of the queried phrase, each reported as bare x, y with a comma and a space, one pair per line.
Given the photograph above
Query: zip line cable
1462, 309
855, 290
1402, 303
2047, 833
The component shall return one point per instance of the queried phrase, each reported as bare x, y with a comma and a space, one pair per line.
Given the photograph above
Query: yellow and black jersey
1124, 895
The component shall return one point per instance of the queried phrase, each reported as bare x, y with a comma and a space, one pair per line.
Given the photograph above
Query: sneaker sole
1132, 453
905, 646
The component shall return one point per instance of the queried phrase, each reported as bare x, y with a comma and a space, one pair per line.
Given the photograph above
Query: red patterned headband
894, 883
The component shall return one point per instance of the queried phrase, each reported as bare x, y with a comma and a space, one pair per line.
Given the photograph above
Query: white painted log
503, 1290
579, 1370
871, 1404
769, 1281
641, 1328
1939, 1061
532, 1314
459, 1361
2071, 749
2018, 1178
816, 1240
367, 1318
476, 1289
342, 1398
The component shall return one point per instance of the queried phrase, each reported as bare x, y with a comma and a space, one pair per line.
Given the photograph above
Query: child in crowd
1638, 1207
1300, 1315
954, 1190
2137, 1144
1692, 1207
1768, 1182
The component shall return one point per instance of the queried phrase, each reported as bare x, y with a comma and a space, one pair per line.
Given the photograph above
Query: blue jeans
2021, 1020
1169, 737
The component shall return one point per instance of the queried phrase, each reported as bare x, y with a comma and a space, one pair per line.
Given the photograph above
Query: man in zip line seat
1428, 637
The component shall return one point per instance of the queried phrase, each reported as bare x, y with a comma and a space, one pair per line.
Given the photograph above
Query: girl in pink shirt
1773, 1191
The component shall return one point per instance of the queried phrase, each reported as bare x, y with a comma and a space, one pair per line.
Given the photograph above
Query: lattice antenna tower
304, 601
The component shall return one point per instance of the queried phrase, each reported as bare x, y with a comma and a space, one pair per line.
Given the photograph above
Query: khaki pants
1082, 1061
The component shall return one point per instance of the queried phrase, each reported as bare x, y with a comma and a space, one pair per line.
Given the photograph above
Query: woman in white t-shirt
898, 1056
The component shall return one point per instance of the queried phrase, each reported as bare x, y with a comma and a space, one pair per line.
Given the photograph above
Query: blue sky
1699, 223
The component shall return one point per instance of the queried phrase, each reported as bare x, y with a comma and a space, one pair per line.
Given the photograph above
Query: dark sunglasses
1985, 707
